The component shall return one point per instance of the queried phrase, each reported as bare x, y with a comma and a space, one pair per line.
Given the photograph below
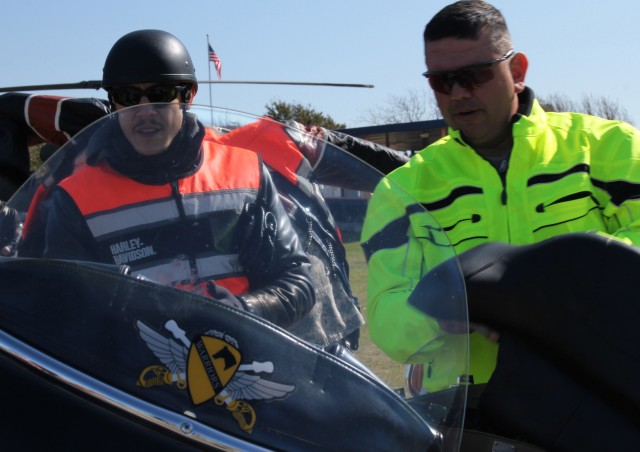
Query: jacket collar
183, 157
528, 120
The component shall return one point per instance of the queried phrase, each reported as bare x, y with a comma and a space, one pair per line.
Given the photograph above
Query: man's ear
188, 95
112, 103
192, 93
519, 65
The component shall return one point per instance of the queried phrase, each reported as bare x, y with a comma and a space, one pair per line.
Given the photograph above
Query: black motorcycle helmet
149, 56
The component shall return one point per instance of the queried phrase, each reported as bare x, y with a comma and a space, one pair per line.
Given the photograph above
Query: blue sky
575, 48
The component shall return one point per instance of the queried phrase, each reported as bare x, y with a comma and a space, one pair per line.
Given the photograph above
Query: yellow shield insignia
211, 364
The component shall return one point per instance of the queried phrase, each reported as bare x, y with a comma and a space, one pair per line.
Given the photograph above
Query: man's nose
459, 92
146, 108
146, 104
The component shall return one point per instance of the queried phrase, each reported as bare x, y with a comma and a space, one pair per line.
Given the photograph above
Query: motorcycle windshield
121, 314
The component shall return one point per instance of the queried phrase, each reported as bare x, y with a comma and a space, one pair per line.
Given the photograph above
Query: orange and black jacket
200, 230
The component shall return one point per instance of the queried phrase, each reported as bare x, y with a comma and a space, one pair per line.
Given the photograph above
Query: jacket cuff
251, 304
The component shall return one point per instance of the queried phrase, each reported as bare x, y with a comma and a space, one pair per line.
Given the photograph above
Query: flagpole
209, 67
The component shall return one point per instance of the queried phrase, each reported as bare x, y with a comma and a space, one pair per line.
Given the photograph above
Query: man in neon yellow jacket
507, 172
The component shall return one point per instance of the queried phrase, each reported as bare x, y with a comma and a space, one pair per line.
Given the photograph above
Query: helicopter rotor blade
96, 84
88, 84
261, 82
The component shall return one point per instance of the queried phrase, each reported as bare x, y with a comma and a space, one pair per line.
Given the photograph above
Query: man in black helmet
157, 160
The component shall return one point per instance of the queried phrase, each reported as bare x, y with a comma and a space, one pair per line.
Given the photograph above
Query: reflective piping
98, 392
167, 273
178, 270
56, 119
132, 216
204, 203
27, 119
219, 266
165, 210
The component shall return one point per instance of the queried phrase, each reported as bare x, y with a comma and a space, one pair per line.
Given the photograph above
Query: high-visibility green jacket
567, 172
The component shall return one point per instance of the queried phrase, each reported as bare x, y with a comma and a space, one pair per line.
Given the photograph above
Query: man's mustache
141, 123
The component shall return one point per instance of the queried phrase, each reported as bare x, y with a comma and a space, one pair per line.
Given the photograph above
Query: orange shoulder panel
267, 138
117, 190
229, 168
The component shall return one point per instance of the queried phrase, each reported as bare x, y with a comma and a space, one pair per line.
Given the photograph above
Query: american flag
213, 57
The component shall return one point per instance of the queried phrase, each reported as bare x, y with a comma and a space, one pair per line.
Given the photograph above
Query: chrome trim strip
181, 425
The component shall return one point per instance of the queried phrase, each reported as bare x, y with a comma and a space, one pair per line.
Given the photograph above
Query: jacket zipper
175, 192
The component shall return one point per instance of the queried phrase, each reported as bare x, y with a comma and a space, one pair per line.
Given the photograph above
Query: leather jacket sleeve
277, 267
27, 119
323, 148
51, 119
382, 158
65, 233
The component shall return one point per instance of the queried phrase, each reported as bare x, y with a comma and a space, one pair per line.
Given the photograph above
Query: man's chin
149, 150
470, 124
470, 135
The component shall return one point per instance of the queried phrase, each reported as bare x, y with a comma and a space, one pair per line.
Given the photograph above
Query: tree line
417, 105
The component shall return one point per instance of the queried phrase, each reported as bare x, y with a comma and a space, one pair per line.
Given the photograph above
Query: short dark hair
467, 19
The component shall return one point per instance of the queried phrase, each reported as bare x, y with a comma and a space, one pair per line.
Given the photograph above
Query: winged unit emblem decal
210, 366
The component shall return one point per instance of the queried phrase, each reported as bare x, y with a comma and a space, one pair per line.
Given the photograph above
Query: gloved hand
10, 230
256, 232
223, 295
311, 140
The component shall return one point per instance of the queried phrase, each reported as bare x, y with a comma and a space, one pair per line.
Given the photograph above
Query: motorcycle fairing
91, 322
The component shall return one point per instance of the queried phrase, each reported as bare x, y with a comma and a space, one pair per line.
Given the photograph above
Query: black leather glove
10, 230
223, 295
256, 233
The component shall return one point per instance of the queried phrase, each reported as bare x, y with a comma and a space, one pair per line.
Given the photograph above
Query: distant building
349, 206
406, 136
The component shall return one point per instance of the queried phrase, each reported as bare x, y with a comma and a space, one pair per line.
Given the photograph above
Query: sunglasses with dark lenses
130, 95
469, 78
